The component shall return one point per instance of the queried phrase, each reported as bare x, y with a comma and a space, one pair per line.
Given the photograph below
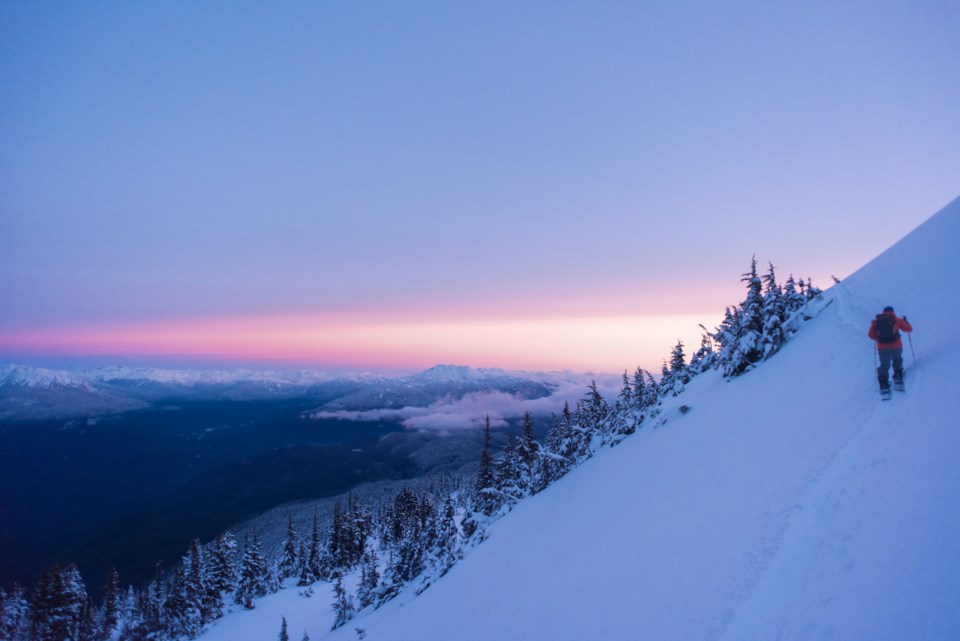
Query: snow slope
790, 503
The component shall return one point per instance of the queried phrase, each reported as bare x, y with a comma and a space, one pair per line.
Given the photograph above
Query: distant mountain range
31, 393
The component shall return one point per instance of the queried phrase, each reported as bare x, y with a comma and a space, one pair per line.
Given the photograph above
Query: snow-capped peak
455, 374
39, 377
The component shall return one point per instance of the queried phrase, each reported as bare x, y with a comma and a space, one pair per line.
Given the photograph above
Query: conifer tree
507, 473
360, 527
652, 391
484, 491
726, 336
255, 580
746, 347
87, 630
222, 570
112, 605
530, 479
283, 636
154, 615
593, 411
447, 549
343, 608
177, 620
338, 536
625, 417
57, 605
311, 569
675, 374
705, 357
774, 315
406, 561
793, 299
810, 291
562, 444
289, 558
14, 614
640, 392
369, 579
131, 616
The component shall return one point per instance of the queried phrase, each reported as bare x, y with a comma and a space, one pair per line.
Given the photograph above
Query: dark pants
888, 356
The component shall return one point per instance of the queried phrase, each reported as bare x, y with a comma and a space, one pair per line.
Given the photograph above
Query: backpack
886, 326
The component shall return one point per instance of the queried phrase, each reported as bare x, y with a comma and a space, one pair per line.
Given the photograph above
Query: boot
898, 379
884, 383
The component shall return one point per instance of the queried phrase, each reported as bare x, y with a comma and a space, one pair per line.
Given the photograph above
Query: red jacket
899, 323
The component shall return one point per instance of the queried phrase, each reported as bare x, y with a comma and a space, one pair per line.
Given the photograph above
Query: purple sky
445, 162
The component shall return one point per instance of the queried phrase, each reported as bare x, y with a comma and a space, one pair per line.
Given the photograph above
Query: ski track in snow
814, 520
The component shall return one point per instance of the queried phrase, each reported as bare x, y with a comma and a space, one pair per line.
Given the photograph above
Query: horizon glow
606, 344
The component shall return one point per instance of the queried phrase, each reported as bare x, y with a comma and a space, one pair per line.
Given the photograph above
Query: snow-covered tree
111, 611
507, 474
57, 605
369, 578
704, 358
793, 298
88, 621
675, 374
529, 473
563, 445
177, 619
222, 568
343, 607
311, 567
14, 614
290, 554
484, 487
743, 340
255, 579
592, 413
447, 549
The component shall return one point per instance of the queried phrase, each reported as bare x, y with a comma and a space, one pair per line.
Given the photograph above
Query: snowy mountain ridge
38, 377
37, 393
14, 374
454, 373
788, 503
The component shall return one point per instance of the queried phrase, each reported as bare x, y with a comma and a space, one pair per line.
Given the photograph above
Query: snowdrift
790, 503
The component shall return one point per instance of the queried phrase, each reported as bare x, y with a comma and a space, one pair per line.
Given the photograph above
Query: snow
39, 377
188, 377
790, 503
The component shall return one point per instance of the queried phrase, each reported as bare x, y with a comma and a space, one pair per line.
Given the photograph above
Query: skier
885, 330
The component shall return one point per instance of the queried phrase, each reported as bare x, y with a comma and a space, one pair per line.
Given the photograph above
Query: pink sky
606, 343
535, 185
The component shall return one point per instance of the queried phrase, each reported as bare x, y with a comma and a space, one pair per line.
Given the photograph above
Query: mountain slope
790, 503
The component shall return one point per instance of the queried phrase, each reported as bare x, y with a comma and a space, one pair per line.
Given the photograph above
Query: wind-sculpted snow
788, 503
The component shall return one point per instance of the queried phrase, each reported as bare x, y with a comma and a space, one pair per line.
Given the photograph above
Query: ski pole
910, 338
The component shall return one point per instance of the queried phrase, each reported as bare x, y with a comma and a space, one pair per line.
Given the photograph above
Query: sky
382, 185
